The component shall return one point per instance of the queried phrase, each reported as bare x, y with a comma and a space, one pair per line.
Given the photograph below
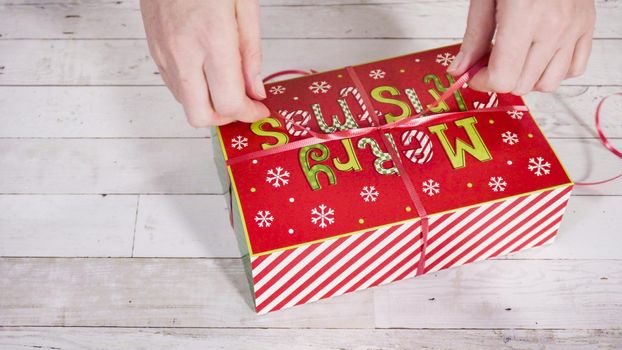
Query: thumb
477, 37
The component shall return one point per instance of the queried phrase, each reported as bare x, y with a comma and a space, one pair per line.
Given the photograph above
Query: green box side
232, 205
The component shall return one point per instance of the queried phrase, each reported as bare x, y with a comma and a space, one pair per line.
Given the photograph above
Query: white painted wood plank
66, 225
507, 294
214, 293
415, 19
151, 111
588, 160
292, 339
197, 226
590, 229
179, 166
184, 226
127, 62
107, 166
91, 111
153, 293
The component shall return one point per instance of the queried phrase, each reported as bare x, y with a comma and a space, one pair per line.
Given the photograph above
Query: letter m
456, 154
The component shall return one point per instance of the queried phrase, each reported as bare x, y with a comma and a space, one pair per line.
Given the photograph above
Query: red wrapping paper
470, 161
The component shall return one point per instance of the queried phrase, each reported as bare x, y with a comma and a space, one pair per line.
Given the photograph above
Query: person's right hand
209, 55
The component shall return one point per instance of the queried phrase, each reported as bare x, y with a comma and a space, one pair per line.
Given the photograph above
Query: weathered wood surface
127, 62
113, 231
280, 19
541, 294
186, 166
150, 111
294, 339
198, 226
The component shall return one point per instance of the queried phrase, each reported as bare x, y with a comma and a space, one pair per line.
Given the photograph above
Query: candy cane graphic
424, 153
299, 127
414, 99
492, 102
357, 95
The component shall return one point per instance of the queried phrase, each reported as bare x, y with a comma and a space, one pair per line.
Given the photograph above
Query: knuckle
500, 83
197, 121
547, 86
576, 71
231, 109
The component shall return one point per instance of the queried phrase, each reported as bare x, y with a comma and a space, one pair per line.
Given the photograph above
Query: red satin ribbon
408, 122
605, 141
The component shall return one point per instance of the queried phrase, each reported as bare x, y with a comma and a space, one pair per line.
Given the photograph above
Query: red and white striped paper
336, 266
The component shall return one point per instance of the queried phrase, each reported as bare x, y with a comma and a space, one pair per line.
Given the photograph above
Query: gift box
319, 217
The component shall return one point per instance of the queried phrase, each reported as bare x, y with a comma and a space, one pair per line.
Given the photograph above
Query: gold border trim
239, 204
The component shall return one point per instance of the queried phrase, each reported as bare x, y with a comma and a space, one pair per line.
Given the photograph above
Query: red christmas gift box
322, 207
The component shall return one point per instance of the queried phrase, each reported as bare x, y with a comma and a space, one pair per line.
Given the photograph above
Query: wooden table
114, 234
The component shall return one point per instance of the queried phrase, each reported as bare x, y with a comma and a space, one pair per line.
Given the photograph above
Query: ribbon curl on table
418, 119
605, 141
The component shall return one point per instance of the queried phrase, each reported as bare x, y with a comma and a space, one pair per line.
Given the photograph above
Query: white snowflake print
445, 59
277, 90
264, 218
277, 177
538, 166
239, 142
377, 74
369, 193
431, 187
319, 87
514, 114
510, 138
322, 216
497, 184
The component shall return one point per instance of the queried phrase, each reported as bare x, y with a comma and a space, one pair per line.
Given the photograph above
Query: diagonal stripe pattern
333, 267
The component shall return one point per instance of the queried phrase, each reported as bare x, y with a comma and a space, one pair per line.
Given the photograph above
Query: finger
194, 96
536, 62
250, 47
556, 70
508, 54
581, 55
477, 37
223, 69
169, 83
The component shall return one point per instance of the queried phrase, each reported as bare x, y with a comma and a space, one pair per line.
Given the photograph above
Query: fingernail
456, 62
260, 90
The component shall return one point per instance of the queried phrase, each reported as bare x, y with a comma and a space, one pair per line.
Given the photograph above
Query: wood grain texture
127, 62
105, 166
507, 294
400, 19
84, 113
294, 339
151, 111
153, 293
92, 111
214, 293
184, 226
66, 225
185, 166
198, 226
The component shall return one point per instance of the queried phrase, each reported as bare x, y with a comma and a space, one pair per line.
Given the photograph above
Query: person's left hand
538, 43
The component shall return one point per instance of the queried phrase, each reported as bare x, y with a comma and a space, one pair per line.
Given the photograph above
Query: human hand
538, 43
209, 54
